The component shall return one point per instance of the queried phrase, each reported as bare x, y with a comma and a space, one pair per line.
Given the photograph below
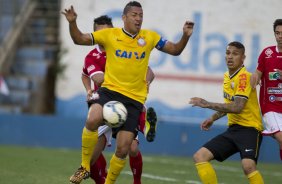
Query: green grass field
21, 165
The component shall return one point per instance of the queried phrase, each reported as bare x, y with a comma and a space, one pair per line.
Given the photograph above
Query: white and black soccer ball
114, 114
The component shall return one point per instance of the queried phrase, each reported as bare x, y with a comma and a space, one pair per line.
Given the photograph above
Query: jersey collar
235, 73
128, 34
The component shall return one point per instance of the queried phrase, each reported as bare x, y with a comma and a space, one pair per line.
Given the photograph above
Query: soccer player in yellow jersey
128, 50
244, 121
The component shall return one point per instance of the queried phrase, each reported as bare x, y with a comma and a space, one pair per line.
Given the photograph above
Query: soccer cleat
150, 124
79, 175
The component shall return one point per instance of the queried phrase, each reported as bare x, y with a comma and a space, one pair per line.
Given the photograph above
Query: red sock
281, 154
98, 170
136, 165
142, 120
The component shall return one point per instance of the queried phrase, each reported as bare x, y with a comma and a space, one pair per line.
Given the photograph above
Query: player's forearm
86, 82
77, 36
259, 74
217, 115
176, 49
224, 107
179, 46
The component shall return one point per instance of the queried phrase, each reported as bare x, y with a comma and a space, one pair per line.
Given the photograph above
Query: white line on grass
154, 177
192, 182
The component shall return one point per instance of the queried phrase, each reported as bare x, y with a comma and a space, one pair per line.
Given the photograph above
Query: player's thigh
95, 116
221, 146
278, 137
123, 142
248, 140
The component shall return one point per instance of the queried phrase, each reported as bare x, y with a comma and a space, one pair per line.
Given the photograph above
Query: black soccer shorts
133, 107
237, 138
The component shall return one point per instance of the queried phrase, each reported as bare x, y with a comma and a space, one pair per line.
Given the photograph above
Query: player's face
278, 35
133, 20
234, 58
100, 27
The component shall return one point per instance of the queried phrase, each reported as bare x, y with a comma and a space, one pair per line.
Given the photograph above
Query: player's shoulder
116, 30
148, 31
244, 72
269, 49
226, 74
94, 50
103, 32
226, 77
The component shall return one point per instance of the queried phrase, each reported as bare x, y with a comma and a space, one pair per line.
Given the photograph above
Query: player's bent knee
202, 155
133, 152
248, 166
93, 123
121, 152
134, 148
197, 157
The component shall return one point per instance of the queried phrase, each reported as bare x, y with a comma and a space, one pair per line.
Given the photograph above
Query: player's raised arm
77, 36
235, 106
177, 48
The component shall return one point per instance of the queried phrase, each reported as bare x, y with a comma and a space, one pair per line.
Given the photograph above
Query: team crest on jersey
232, 85
268, 53
141, 42
90, 68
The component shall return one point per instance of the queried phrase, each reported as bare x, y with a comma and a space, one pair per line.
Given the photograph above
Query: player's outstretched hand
188, 28
70, 14
206, 124
196, 101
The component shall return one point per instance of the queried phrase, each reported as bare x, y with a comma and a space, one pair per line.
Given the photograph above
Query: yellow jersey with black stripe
127, 60
238, 86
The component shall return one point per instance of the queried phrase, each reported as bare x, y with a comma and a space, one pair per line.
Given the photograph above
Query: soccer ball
114, 114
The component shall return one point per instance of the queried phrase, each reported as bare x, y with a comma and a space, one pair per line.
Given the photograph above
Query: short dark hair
238, 45
129, 5
103, 20
277, 22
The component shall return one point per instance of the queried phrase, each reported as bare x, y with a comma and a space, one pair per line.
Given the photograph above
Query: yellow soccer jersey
127, 60
238, 86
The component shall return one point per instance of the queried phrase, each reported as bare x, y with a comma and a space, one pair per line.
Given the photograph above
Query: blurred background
41, 93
